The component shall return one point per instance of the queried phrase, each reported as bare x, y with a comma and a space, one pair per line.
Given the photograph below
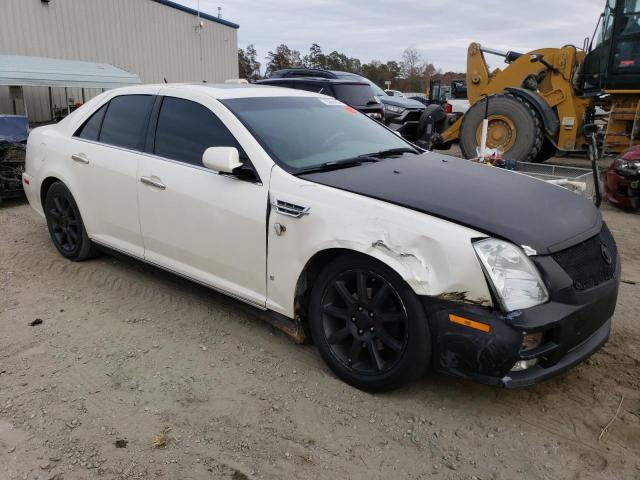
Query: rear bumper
574, 324
32, 192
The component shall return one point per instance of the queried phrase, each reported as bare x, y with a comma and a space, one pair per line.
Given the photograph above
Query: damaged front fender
434, 256
462, 297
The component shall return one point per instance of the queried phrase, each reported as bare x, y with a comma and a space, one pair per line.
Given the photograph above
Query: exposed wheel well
308, 275
44, 188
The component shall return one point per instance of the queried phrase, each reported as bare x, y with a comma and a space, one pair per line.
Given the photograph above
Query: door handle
80, 158
154, 183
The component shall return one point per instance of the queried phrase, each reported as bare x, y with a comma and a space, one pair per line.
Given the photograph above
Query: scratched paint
432, 255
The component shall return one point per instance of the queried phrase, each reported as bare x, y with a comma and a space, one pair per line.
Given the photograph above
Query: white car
386, 257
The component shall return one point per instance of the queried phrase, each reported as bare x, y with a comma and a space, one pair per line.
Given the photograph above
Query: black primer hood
491, 200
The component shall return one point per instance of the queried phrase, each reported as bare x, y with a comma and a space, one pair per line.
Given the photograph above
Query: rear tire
65, 224
368, 325
522, 127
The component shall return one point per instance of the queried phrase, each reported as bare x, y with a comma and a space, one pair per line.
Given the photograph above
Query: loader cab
438, 93
613, 61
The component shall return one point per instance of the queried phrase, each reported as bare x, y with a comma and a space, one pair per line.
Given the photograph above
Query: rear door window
186, 129
125, 121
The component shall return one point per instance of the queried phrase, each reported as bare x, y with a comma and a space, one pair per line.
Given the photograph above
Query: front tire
368, 325
65, 224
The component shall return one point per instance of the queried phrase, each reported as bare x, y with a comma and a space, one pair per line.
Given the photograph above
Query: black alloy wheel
368, 325
364, 321
65, 224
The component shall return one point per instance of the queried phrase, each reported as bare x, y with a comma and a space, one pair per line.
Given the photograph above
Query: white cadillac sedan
388, 258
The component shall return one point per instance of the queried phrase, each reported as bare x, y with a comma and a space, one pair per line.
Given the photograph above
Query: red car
622, 180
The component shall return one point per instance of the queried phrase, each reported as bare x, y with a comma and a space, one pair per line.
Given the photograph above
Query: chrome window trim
164, 159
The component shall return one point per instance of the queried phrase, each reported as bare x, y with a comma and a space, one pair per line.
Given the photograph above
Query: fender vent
290, 209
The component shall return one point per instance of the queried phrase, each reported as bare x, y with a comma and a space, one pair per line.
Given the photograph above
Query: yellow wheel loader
539, 103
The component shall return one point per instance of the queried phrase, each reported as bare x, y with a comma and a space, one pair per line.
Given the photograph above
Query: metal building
155, 39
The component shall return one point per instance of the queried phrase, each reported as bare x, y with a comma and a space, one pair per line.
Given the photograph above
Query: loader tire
547, 151
514, 126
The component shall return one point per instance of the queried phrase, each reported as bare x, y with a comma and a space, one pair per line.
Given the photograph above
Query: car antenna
165, 80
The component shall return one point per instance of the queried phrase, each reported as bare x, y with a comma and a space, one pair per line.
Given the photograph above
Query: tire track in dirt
152, 288
246, 404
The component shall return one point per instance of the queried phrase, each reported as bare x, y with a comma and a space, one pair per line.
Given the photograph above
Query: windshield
304, 132
605, 23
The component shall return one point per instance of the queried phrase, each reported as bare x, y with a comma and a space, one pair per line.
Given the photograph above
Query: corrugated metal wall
140, 36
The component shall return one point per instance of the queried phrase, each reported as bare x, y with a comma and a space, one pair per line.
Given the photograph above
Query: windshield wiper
346, 163
388, 153
352, 162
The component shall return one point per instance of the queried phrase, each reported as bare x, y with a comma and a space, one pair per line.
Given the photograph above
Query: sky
441, 30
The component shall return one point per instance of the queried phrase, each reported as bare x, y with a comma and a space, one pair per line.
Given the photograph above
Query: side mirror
535, 57
221, 159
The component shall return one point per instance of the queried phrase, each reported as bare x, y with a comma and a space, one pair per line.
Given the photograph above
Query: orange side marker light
483, 327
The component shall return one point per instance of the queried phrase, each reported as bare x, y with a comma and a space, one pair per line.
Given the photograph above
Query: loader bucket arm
477, 73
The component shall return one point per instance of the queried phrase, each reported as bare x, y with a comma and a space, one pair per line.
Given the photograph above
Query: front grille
591, 262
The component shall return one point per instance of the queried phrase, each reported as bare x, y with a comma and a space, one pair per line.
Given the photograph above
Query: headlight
393, 109
515, 279
627, 167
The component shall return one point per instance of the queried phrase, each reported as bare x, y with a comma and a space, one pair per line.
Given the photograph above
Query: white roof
229, 90
52, 72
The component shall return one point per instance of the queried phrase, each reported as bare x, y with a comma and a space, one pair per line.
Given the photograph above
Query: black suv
355, 93
400, 114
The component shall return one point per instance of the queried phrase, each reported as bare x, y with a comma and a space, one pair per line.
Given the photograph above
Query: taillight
448, 108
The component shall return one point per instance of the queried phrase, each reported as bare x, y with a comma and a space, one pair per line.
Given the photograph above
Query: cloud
381, 30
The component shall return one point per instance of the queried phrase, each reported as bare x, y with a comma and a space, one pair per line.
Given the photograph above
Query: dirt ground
128, 357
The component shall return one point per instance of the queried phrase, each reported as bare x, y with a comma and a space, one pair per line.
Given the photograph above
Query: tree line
410, 74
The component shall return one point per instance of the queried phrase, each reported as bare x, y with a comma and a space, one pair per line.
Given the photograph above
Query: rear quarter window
90, 130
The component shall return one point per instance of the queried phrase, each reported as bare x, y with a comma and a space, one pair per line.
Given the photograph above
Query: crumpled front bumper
575, 324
